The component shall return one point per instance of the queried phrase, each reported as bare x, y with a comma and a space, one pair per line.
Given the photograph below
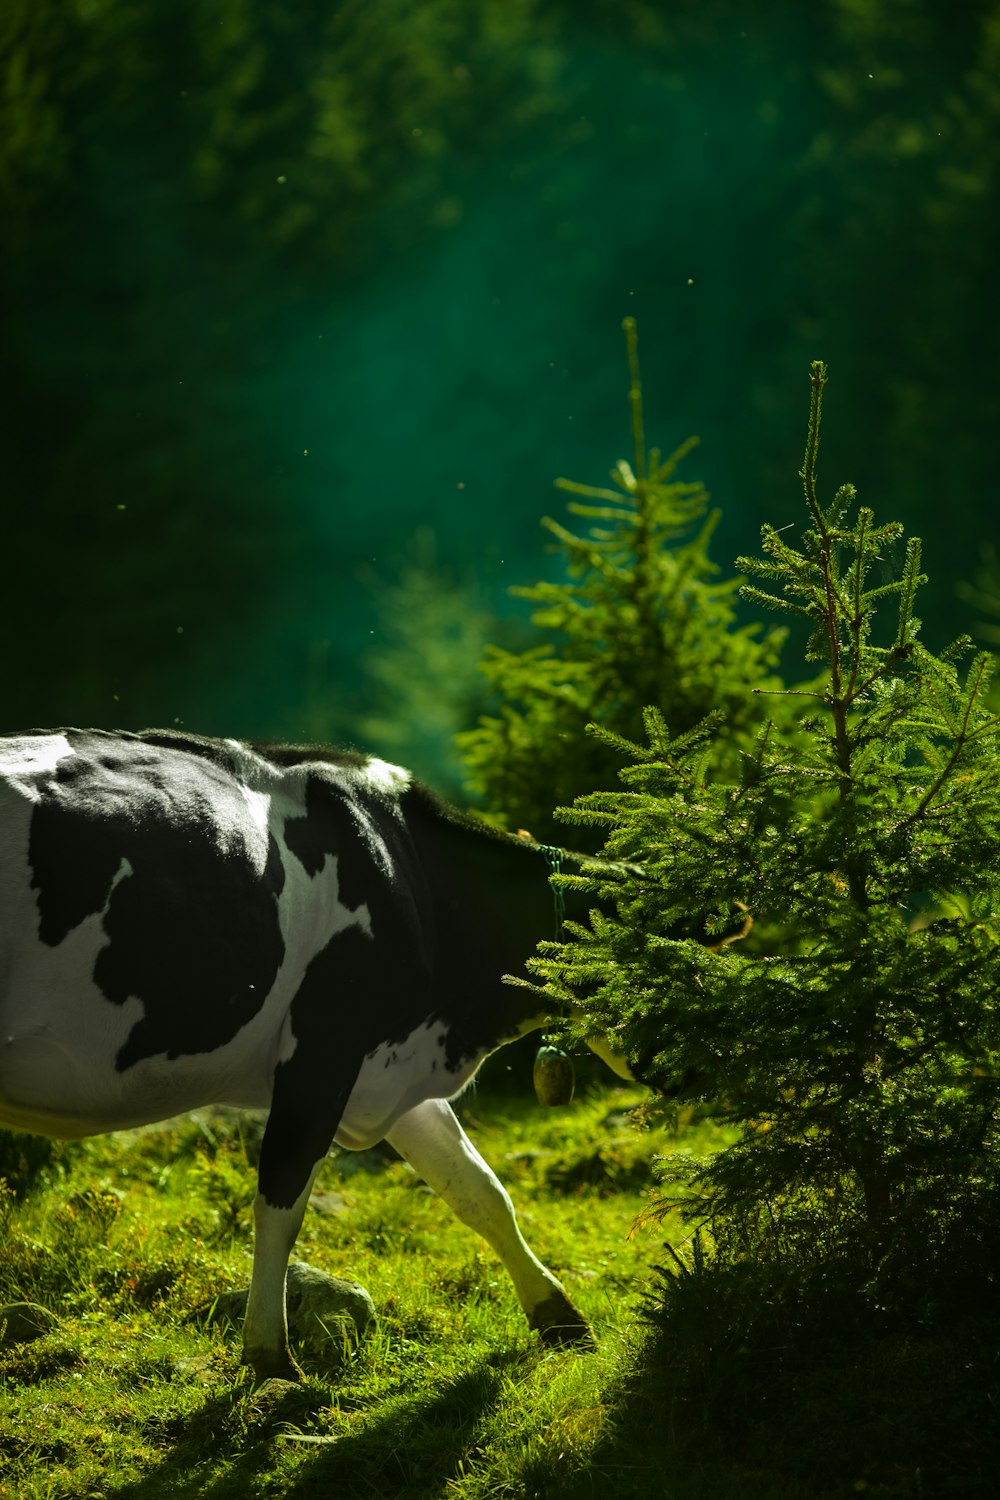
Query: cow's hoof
560, 1325
271, 1364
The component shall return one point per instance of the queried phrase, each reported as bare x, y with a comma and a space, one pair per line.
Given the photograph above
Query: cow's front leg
265, 1326
436, 1146
300, 1129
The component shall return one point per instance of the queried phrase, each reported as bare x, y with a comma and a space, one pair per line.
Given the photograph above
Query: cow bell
554, 1075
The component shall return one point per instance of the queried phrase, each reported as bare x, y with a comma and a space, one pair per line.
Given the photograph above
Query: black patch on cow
492, 904
336, 1018
299, 755
224, 753
360, 825
157, 839
364, 988
73, 859
318, 833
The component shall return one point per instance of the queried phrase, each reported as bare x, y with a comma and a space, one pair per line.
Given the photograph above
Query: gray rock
330, 1205
20, 1322
325, 1313
283, 1404
200, 1367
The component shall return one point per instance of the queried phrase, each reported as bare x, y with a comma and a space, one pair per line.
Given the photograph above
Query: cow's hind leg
436, 1146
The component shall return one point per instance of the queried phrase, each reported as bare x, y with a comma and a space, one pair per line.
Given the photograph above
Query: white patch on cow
31, 755
54, 1075
311, 912
395, 1077
387, 777
259, 805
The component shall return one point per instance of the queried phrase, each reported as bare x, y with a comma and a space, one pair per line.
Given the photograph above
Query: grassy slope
130, 1244
135, 1395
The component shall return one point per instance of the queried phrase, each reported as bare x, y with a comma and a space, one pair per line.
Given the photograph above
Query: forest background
306, 307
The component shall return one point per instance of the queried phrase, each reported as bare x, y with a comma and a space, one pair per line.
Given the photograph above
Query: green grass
130, 1238
137, 1394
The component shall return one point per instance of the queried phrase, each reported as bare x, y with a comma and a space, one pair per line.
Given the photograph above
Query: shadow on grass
409, 1450
884, 1412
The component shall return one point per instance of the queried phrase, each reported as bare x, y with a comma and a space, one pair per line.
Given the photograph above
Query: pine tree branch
981, 666
817, 376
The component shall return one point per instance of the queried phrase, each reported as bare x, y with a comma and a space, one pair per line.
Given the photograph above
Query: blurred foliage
641, 619
423, 681
26, 1160
254, 254
982, 594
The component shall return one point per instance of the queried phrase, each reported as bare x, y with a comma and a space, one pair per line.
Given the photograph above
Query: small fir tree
852, 1039
641, 618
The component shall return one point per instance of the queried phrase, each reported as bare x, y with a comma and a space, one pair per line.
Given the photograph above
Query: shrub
853, 1039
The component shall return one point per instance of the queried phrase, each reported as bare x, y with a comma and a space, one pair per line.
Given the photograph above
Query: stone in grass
325, 1313
20, 1322
199, 1367
284, 1407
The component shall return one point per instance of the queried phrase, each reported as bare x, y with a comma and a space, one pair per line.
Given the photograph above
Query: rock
327, 1314
200, 1367
20, 1322
283, 1404
329, 1204
321, 1307
272, 1393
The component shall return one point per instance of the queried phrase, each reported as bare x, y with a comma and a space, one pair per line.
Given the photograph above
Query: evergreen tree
640, 618
422, 678
852, 1039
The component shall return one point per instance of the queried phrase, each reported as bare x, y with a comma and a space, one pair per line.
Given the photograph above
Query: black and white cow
186, 921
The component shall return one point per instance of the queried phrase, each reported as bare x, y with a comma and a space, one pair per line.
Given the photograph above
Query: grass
137, 1395
130, 1238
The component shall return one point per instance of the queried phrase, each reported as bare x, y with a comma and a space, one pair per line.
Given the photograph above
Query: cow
188, 921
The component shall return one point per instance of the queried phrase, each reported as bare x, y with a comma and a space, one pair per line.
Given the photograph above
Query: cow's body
186, 922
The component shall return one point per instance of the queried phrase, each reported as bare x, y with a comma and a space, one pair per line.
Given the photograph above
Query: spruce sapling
852, 1038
